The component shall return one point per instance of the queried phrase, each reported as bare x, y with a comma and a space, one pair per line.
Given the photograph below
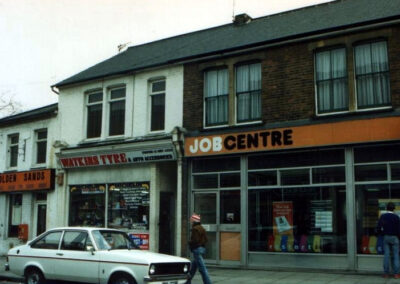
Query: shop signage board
118, 158
324, 134
27, 181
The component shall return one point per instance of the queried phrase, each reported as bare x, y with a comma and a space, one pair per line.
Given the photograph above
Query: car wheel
34, 276
123, 279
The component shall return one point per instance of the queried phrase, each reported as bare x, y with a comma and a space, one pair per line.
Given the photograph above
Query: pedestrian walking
389, 227
198, 240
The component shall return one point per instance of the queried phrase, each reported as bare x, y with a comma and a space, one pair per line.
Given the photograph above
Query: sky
43, 42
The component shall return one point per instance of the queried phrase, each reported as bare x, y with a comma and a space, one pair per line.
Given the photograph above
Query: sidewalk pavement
240, 276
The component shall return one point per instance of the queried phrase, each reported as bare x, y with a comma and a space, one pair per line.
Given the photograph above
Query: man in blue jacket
389, 227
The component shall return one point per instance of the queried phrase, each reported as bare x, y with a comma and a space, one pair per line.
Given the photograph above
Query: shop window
248, 92
76, 241
87, 205
205, 181
260, 178
49, 241
205, 205
230, 207
15, 214
379, 153
157, 104
216, 91
13, 141
372, 75
41, 146
331, 81
371, 203
128, 206
216, 165
297, 220
116, 100
371, 172
94, 114
230, 180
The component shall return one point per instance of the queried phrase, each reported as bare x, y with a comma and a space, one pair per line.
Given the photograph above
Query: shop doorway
220, 216
166, 223
40, 217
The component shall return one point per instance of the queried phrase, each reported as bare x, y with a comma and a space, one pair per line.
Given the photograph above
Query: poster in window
141, 240
283, 217
16, 215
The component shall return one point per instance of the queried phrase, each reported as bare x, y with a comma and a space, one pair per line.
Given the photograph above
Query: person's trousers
391, 248
198, 262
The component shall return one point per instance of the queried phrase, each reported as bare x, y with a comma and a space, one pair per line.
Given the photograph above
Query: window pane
205, 205
395, 171
13, 156
216, 164
117, 118
157, 112
74, 241
230, 207
381, 153
370, 173
94, 121
371, 203
298, 220
41, 152
87, 205
41, 134
230, 180
158, 86
95, 97
295, 177
216, 96
49, 241
128, 206
205, 181
117, 93
263, 178
15, 214
328, 175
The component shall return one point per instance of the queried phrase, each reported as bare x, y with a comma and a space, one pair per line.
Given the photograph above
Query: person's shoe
397, 276
386, 275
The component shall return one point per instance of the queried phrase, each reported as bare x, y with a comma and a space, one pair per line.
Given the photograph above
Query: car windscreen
108, 240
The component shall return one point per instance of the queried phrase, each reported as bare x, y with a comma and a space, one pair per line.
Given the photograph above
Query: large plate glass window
94, 105
331, 80
296, 202
248, 92
116, 111
376, 170
372, 75
87, 205
128, 206
216, 92
157, 101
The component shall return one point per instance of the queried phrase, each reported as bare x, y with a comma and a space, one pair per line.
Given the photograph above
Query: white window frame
156, 93
87, 105
11, 145
36, 148
107, 113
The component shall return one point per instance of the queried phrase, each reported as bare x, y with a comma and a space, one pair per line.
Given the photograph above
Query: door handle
59, 253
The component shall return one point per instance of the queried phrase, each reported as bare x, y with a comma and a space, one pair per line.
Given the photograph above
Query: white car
93, 255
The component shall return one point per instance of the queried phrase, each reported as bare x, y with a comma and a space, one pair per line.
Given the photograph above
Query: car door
44, 250
76, 261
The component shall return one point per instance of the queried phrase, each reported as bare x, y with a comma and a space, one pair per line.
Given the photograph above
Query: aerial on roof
274, 28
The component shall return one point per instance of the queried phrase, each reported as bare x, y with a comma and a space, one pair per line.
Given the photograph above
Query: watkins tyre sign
118, 158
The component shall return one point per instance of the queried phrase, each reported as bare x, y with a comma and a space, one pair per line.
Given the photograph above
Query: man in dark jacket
389, 227
198, 240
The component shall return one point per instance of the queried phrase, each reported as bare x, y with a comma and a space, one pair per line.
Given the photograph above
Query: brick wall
288, 78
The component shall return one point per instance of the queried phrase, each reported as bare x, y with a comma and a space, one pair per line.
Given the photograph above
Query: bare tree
8, 105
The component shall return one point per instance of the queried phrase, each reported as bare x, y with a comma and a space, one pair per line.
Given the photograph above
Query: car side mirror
91, 249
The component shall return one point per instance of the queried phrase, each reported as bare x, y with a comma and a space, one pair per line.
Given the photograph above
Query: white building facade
28, 194
120, 155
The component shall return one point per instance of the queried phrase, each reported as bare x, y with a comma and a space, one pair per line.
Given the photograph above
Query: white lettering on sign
205, 145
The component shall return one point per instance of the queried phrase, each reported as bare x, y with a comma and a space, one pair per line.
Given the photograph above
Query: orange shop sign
26, 181
337, 133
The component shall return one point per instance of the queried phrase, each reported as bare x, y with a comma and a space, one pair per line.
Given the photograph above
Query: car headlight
152, 269
186, 268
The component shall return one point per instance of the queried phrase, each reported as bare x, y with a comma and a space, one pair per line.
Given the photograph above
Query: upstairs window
157, 102
41, 146
248, 92
331, 81
117, 112
94, 114
372, 75
216, 93
13, 140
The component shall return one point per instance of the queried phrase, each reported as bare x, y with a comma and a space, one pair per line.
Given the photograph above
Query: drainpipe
177, 140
